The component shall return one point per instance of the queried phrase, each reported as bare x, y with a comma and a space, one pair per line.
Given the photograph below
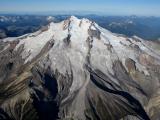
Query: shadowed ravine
136, 106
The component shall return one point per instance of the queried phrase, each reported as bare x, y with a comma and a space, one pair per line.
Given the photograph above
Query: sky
108, 7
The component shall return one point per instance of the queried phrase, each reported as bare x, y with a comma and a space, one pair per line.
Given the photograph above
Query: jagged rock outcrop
77, 70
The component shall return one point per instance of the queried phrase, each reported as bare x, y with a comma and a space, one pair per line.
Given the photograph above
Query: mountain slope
77, 70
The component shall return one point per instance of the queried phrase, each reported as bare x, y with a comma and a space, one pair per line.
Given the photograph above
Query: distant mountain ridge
144, 27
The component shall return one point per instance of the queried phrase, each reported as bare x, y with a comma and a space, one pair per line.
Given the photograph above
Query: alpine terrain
76, 70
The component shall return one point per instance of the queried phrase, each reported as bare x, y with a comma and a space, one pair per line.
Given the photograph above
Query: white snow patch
33, 45
122, 51
50, 18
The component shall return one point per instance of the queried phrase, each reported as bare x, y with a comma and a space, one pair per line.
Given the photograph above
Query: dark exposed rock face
130, 64
94, 33
67, 40
100, 76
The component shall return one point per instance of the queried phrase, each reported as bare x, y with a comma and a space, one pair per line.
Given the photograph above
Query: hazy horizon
70, 13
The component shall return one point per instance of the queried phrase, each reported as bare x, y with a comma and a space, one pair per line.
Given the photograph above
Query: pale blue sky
110, 7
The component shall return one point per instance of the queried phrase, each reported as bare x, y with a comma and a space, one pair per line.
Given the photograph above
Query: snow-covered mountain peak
74, 18
82, 35
87, 70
